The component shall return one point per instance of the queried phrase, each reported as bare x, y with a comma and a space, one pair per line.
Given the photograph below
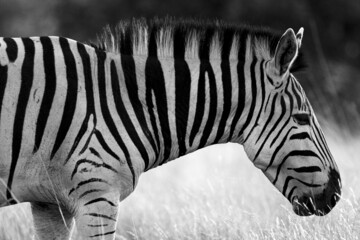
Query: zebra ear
287, 51
299, 36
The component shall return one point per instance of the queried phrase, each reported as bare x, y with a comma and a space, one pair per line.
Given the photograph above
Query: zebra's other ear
286, 51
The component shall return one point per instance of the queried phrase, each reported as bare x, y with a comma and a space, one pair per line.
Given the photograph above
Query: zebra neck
215, 103
183, 105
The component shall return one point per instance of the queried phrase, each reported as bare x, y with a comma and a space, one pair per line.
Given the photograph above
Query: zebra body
79, 124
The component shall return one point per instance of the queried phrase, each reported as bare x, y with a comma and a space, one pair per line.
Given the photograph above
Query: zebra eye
302, 118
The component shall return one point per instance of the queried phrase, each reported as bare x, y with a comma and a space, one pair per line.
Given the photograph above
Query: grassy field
216, 193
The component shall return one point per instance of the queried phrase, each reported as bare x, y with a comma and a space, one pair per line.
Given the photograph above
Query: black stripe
11, 49
319, 146
289, 197
289, 178
213, 103
296, 94
323, 145
179, 42
98, 225
49, 91
90, 107
286, 183
182, 89
123, 114
84, 147
253, 95
27, 77
94, 152
272, 130
128, 66
200, 106
82, 183
300, 92
149, 102
71, 95
204, 52
103, 234
104, 145
89, 191
241, 82
152, 46
306, 169
155, 84
3, 82
87, 70
300, 136
299, 153
100, 200
106, 113
270, 117
227, 42
262, 99
226, 81
205, 42
126, 46
278, 148
92, 163
287, 93
280, 119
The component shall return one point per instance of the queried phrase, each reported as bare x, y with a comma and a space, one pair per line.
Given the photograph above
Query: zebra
79, 123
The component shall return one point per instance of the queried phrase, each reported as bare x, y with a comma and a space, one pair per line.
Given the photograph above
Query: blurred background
218, 196
331, 42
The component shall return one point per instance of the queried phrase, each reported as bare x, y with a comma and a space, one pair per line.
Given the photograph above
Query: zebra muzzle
319, 205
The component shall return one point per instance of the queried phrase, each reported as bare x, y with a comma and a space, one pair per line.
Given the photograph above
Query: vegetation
217, 193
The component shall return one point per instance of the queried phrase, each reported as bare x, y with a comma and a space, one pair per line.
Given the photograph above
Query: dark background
331, 41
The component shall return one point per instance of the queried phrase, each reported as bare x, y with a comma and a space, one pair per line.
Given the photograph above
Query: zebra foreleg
96, 218
50, 222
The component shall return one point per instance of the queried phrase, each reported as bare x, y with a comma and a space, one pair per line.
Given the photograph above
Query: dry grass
217, 194
216, 198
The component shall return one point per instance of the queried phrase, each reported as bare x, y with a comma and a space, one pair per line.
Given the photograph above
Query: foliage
205, 196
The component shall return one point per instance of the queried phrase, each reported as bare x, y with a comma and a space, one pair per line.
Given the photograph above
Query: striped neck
187, 82
184, 104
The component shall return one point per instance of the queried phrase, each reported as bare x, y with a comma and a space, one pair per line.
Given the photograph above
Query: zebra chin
321, 203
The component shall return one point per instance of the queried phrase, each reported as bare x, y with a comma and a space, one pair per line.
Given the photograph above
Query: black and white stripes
79, 124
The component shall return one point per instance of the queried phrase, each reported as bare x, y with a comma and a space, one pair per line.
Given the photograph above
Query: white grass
217, 194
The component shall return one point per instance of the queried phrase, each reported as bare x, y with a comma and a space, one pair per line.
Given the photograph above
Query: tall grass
206, 196
217, 193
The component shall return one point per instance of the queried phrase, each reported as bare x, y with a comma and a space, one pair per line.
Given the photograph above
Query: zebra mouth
322, 202
306, 205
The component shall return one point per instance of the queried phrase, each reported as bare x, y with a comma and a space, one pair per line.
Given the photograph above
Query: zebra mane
172, 35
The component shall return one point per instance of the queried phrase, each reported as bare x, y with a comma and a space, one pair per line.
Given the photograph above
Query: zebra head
284, 138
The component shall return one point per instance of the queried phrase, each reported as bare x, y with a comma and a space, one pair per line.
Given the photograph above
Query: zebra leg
50, 222
96, 218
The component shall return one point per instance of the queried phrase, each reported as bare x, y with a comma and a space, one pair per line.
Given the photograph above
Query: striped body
79, 124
